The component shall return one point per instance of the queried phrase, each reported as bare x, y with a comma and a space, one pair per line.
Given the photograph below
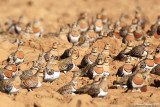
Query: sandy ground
53, 14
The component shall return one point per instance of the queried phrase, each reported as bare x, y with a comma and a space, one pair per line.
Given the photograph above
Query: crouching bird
96, 89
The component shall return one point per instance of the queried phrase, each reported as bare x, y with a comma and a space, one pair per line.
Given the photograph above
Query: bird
130, 36
122, 55
41, 60
98, 24
137, 81
83, 22
104, 15
95, 89
6, 73
89, 58
62, 33
139, 34
105, 51
122, 20
37, 28
124, 31
139, 51
97, 71
124, 78
126, 69
53, 52
74, 34
13, 67
11, 85
67, 53
69, 63
106, 63
116, 33
16, 27
91, 34
148, 62
69, 88
18, 56
31, 82
51, 72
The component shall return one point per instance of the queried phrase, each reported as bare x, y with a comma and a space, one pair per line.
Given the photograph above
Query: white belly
73, 89
137, 86
18, 28
14, 73
74, 39
14, 90
5, 77
95, 74
148, 67
126, 73
89, 61
105, 20
73, 65
102, 93
52, 77
144, 53
84, 30
37, 34
39, 84
26, 34
98, 29
19, 60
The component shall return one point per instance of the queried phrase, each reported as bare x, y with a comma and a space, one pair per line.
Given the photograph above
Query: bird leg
138, 90
64, 72
29, 89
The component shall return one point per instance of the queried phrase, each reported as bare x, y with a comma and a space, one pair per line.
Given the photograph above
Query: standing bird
130, 36
18, 56
53, 52
70, 87
97, 70
37, 28
51, 72
83, 22
116, 33
31, 82
137, 81
91, 34
148, 62
98, 24
139, 34
126, 69
96, 89
74, 34
13, 67
16, 27
104, 15
105, 51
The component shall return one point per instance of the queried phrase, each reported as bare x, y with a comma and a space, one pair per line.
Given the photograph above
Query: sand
53, 14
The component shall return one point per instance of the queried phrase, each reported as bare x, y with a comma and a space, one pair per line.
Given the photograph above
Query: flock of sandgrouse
139, 60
